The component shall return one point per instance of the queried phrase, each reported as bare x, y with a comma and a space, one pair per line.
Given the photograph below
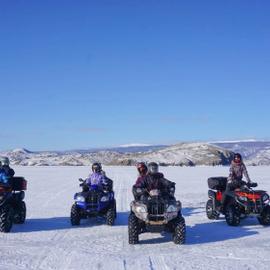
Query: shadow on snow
216, 231
63, 223
200, 233
190, 211
203, 233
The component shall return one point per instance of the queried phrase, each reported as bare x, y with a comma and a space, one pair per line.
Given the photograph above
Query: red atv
240, 203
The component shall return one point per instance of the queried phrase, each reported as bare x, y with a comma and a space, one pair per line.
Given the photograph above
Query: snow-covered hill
184, 154
254, 152
47, 241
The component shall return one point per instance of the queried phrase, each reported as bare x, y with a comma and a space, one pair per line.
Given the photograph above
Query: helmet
153, 167
96, 167
237, 158
4, 161
142, 168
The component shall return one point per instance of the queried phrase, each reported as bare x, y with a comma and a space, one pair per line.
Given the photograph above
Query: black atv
12, 206
94, 201
156, 213
240, 203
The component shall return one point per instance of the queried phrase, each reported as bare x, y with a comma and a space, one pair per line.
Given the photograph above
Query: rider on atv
98, 177
155, 208
151, 179
6, 173
237, 170
96, 198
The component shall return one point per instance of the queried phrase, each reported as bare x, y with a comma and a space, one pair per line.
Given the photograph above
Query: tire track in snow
151, 263
157, 262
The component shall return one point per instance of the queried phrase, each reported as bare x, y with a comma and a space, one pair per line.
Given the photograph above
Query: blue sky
82, 74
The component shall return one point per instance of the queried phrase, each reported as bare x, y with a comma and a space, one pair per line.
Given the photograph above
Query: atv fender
212, 194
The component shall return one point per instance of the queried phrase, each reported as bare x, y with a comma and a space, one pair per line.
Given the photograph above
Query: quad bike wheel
115, 212
210, 212
232, 215
6, 218
133, 229
179, 235
20, 213
264, 218
110, 216
75, 216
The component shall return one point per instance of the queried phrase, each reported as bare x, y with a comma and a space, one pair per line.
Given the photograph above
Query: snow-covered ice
48, 241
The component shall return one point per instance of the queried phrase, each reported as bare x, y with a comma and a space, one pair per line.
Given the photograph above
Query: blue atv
94, 201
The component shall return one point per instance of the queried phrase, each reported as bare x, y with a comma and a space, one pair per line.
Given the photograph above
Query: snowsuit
4, 178
9, 172
154, 181
6, 174
140, 179
237, 170
96, 179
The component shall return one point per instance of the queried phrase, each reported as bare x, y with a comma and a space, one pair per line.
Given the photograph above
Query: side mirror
81, 180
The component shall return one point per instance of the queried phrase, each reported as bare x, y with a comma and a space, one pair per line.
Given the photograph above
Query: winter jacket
98, 179
154, 181
237, 170
9, 172
4, 178
139, 180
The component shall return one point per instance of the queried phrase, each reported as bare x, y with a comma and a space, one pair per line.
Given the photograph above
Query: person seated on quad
142, 169
6, 173
152, 180
98, 177
5, 166
237, 170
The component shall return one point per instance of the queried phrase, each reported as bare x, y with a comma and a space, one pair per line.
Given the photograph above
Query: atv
12, 206
156, 213
240, 203
94, 201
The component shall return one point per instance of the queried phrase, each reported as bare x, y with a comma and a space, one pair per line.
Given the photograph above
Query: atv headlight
104, 199
80, 199
140, 209
265, 198
242, 198
171, 208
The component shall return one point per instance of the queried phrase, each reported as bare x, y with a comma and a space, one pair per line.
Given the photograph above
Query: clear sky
82, 74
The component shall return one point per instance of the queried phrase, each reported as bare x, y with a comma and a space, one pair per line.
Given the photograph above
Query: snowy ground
47, 240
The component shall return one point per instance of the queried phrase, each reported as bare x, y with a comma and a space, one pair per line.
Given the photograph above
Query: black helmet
153, 167
237, 158
142, 168
96, 167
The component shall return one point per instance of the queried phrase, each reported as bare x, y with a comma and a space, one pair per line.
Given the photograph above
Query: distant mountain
137, 148
130, 148
21, 150
253, 152
184, 154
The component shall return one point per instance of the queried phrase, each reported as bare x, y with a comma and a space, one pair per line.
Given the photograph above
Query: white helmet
4, 161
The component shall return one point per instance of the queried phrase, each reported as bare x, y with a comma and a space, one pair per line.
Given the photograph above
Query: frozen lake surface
48, 241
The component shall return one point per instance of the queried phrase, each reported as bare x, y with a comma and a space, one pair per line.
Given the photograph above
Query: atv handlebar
251, 185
